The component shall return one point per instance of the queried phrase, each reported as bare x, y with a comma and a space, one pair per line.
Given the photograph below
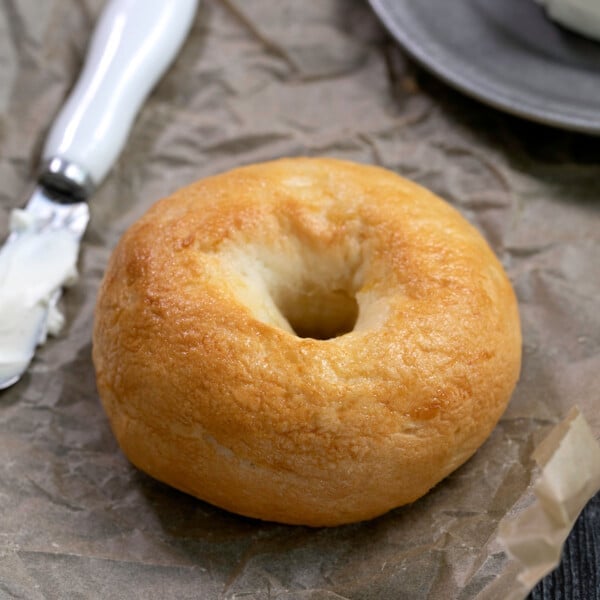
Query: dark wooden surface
578, 576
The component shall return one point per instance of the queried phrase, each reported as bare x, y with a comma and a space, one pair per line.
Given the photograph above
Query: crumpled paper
569, 459
258, 80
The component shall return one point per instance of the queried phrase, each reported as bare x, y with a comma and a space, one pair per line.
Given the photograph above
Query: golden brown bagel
209, 389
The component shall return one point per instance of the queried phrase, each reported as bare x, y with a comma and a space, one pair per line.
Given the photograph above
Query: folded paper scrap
569, 459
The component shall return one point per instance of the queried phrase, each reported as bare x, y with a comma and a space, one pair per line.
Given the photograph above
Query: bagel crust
309, 341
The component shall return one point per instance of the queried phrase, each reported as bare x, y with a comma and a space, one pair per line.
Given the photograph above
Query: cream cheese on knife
28, 296
582, 16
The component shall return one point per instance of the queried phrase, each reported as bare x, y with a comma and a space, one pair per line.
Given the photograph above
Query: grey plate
505, 53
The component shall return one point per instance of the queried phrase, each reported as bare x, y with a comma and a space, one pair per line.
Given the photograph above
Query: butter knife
133, 44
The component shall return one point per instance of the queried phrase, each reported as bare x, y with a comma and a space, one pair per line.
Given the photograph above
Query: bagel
308, 341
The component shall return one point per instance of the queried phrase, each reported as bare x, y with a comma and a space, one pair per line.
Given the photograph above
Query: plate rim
481, 89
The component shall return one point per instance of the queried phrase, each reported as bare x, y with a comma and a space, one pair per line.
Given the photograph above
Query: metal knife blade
44, 228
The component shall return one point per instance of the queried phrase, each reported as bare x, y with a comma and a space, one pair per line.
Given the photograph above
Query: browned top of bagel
210, 388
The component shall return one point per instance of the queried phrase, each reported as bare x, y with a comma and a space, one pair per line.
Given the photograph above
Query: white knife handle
133, 44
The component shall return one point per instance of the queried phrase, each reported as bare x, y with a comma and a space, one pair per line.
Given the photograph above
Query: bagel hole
320, 314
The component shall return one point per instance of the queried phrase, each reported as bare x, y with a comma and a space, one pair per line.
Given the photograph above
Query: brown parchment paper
257, 80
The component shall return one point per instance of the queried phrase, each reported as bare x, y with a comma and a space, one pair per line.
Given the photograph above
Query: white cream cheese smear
33, 268
582, 16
